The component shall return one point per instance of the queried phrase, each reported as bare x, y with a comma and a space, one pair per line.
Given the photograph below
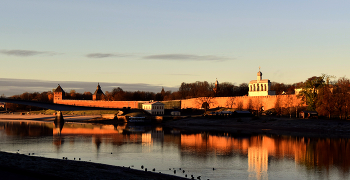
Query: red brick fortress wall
105, 104
268, 102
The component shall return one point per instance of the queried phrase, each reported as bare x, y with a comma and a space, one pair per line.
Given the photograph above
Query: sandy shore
19, 166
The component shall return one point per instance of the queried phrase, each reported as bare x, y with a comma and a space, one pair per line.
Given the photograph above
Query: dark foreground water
232, 157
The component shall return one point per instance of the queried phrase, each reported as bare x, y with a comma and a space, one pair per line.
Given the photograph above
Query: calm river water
232, 157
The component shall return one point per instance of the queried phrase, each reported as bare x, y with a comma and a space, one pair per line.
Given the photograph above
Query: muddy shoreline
20, 166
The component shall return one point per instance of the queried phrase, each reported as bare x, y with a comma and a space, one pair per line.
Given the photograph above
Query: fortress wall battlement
100, 103
248, 102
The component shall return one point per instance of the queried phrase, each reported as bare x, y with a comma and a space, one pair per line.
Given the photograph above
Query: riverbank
42, 117
264, 125
325, 128
20, 166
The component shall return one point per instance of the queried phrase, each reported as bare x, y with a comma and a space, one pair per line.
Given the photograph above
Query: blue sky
164, 43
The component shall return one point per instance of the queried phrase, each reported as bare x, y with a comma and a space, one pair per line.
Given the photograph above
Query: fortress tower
260, 87
98, 95
58, 94
216, 88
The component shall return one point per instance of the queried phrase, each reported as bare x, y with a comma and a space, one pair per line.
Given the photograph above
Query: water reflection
260, 152
26, 128
312, 153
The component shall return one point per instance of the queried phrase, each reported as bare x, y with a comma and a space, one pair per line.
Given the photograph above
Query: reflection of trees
23, 129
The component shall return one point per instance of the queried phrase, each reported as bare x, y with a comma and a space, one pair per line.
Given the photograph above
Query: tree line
186, 91
327, 96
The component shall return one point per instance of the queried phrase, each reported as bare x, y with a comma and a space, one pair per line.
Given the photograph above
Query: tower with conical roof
59, 94
98, 95
216, 88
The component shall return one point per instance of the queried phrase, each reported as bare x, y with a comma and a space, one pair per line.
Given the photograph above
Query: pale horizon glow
164, 43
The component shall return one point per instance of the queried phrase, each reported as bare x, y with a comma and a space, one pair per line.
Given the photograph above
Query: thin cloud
24, 53
11, 87
186, 57
183, 74
104, 55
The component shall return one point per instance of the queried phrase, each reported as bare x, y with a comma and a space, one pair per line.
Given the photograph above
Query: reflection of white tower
258, 163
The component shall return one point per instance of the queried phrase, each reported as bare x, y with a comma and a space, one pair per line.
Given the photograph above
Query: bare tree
240, 105
341, 97
250, 104
278, 106
325, 103
205, 102
257, 105
230, 102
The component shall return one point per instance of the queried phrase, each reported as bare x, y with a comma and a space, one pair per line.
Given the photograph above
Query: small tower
98, 95
259, 75
58, 94
216, 88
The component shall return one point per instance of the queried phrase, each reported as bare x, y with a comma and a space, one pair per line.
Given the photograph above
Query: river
209, 155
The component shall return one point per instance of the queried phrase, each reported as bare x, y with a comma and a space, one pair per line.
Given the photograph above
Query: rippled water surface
231, 156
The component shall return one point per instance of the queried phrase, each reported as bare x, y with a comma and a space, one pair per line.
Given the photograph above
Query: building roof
98, 90
153, 103
259, 73
261, 81
59, 89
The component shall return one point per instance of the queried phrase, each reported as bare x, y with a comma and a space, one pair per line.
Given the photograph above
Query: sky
149, 44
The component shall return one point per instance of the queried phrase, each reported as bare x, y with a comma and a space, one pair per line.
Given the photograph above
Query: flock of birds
181, 170
143, 167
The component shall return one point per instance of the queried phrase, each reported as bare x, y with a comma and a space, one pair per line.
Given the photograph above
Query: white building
154, 108
260, 87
